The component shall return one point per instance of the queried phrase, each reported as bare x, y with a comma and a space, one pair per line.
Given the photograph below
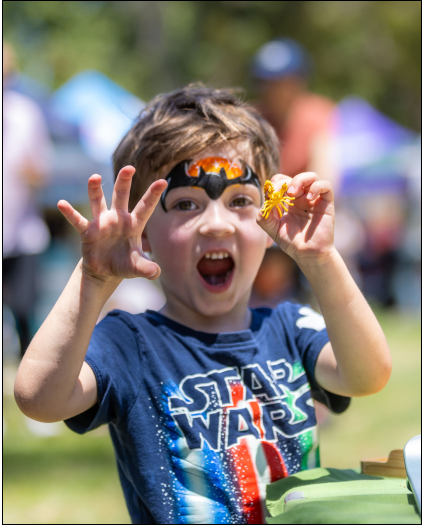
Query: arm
53, 381
357, 360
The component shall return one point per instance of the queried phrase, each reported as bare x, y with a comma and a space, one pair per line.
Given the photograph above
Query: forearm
358, 342
50, 368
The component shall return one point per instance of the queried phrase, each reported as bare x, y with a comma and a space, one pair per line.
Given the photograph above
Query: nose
216, 220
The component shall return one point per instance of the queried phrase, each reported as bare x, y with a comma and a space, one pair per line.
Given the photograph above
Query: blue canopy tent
102, 112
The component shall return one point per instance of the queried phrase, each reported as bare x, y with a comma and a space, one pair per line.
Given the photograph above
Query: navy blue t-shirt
201, 422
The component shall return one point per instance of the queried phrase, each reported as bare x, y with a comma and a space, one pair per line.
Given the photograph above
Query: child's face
209, 250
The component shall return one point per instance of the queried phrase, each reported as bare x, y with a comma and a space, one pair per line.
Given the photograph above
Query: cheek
254, 246
172, 248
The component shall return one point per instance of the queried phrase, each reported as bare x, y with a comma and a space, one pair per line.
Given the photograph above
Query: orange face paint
213, 174
214, 165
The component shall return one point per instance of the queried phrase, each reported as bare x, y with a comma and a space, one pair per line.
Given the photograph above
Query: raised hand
307, 229
111, 242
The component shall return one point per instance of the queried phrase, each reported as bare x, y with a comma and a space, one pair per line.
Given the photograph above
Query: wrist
106, 283
313, 265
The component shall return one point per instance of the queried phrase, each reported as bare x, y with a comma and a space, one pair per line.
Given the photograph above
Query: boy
206, 400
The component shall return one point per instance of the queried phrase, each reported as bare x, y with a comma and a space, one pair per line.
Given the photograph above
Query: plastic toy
274, 198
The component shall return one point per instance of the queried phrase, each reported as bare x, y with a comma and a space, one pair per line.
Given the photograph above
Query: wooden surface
393, 466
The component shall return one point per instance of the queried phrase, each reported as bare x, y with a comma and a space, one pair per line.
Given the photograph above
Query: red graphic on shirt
243, 465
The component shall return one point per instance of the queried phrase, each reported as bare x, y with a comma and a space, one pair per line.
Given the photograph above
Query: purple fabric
369, 149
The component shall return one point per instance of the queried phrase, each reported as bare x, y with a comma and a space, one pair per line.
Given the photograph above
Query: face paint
213, 174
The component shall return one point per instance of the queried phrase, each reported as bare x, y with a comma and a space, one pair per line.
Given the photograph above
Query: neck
237, 319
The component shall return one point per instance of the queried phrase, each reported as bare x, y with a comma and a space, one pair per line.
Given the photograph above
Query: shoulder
125, 328
118, 330
312, 107
122, 319
120, 346
286, 309
113, 320
317, 102
291, 314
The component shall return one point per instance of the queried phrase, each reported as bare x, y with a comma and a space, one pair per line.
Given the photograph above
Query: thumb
269, 225
145, 268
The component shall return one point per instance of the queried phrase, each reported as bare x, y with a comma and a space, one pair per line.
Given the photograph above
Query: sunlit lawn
376, 424
72, 479
65, 479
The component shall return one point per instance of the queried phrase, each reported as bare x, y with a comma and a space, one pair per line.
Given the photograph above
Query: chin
215, 306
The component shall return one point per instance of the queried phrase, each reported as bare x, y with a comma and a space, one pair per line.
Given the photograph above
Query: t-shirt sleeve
113, 356
310, 334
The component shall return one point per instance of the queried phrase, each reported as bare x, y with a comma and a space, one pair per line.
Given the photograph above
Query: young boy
207, 401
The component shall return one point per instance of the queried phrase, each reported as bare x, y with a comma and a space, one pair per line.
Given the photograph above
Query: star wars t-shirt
201, 422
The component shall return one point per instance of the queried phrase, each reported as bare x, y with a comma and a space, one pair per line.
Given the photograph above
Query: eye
185, 206
240, 202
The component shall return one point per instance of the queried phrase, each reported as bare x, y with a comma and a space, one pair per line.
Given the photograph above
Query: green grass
376, 424
72, 479
65, 479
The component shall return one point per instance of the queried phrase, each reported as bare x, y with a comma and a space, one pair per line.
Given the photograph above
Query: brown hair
178, 125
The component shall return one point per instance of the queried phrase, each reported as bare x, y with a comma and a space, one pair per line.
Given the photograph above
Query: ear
269, 242
145, 245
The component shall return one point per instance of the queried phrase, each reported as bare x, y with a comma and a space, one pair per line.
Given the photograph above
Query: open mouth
216, 268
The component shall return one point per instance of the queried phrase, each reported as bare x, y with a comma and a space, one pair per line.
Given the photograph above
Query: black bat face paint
213, 174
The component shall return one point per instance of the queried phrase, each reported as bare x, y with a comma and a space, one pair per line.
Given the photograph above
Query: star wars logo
226, 405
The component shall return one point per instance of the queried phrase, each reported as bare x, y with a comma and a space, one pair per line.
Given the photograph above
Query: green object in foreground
336, 496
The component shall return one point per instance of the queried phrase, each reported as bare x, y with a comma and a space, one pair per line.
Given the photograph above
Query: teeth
216, 255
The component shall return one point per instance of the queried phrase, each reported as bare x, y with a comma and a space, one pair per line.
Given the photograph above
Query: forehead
231, 150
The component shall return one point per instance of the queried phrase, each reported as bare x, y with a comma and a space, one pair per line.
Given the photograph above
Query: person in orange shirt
281, 69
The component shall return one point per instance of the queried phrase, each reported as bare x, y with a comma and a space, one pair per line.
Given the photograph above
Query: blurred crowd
374, 165
53, 141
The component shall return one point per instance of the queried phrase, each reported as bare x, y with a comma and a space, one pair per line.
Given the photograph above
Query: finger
146, 268
96, 196
323, 189
144, 208
270, 227
79, 222
121, 190
301, 182
269, 222
279, 179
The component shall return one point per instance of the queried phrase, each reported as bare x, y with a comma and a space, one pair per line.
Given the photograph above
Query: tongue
214, 267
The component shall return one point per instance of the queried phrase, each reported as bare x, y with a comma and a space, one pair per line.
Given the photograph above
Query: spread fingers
79, 222
145, 207
96, 196
121, 190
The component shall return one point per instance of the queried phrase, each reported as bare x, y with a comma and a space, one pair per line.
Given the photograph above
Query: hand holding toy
306, 232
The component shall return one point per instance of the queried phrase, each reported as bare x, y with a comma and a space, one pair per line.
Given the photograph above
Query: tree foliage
367, 48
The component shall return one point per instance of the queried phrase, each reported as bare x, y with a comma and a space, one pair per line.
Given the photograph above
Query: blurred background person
26, 157
366, 156
282, 69
276, 280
